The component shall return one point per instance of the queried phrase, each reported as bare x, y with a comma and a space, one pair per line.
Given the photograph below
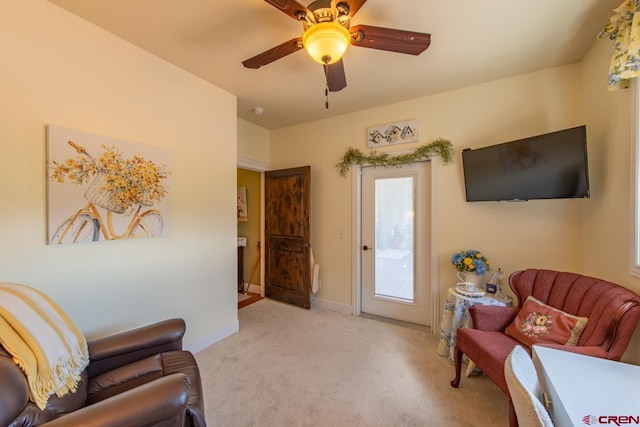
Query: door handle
365, 248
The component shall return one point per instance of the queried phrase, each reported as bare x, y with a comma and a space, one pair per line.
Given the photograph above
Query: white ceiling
472, 42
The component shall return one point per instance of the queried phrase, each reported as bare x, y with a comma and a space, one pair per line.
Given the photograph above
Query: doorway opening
250, 177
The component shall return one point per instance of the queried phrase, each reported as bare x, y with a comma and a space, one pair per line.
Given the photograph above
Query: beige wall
58, 69
472, 117
253, 142
591, 236
606, 217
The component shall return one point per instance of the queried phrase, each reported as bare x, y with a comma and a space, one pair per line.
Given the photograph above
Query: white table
581, 386
455, 314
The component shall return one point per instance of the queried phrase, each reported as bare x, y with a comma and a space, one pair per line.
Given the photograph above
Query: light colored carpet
293, 367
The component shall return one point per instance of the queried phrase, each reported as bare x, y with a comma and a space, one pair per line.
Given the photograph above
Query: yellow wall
58, 69
252, 228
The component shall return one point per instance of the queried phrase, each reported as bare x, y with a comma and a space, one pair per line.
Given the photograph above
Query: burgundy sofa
613, 313
136, 378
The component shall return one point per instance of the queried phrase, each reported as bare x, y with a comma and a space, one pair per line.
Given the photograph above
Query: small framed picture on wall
242, 204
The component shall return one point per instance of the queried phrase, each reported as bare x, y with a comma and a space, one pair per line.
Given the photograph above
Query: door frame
356, 253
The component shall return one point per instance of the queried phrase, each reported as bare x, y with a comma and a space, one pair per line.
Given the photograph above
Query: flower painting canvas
100, 188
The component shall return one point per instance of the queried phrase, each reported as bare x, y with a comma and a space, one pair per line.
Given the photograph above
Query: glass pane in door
394, 225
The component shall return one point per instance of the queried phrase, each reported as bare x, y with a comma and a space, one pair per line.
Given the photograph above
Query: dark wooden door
287, 236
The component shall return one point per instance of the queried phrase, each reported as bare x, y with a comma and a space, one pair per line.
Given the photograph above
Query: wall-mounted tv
549, 166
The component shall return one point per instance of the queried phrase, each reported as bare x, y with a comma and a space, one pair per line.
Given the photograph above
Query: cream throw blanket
42, 340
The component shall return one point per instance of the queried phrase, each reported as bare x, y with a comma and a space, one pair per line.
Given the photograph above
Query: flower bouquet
471, 261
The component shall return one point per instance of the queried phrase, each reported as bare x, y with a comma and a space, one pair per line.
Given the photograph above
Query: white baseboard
332, 306
214, 337
315, 302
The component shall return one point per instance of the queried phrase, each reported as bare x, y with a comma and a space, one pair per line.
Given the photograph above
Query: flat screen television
549, 166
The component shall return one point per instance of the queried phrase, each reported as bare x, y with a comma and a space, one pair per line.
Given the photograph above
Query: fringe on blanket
42, 340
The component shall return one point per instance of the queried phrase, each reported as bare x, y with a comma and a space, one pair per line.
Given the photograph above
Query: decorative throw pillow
538, 323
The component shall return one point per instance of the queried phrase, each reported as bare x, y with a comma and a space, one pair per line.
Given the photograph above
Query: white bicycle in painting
87, 224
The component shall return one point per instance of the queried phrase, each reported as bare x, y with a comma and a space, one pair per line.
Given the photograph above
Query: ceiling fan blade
399, 41
273, 54
354, 5
291, 8
336, 79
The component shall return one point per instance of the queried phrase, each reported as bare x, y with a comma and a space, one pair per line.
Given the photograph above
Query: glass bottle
494, 285
498, 279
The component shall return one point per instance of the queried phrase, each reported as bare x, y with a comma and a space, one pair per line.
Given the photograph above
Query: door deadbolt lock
365, 248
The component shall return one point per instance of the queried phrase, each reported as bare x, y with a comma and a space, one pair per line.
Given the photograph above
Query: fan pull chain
326, 96
326, 88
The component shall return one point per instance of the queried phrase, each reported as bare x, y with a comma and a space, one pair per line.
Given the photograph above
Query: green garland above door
440, 147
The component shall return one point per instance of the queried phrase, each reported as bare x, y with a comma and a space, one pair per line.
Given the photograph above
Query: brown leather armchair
136, 378
613, 313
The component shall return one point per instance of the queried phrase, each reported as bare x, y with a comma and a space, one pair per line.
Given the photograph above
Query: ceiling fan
327, 34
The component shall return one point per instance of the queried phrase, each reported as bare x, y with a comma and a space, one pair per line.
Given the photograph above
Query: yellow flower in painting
478, 255
131, 182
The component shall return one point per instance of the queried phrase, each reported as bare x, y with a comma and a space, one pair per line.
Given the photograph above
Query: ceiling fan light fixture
326, 42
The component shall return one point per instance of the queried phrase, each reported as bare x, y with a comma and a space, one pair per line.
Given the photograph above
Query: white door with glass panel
396, 241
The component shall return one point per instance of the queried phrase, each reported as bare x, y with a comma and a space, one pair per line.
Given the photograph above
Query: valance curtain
624, 29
